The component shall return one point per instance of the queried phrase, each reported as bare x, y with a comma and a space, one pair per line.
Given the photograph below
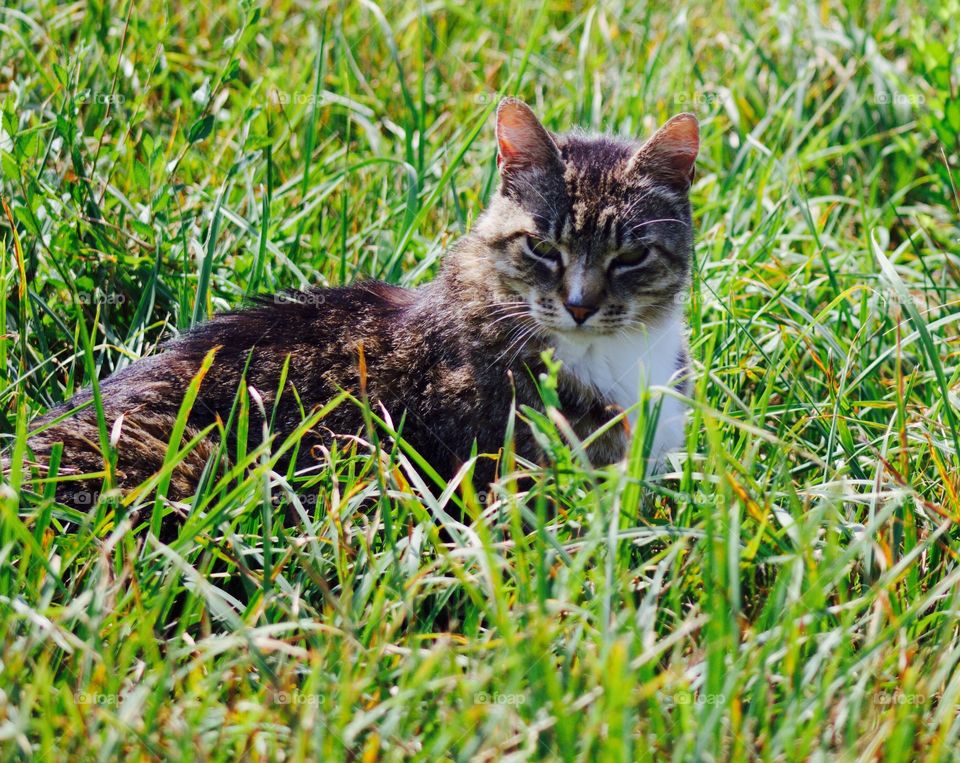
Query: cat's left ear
671, 153
524, 143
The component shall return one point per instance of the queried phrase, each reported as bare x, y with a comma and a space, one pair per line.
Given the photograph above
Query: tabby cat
585, 248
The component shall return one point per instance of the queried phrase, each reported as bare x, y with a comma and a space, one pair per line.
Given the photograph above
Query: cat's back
318, 339
308, 320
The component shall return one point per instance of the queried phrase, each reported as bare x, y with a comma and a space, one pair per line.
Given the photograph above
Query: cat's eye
631, 259
543, 251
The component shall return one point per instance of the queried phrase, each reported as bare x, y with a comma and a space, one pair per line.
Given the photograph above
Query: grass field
790, 591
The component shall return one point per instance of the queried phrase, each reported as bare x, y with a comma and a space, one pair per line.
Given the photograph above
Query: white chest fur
620, 367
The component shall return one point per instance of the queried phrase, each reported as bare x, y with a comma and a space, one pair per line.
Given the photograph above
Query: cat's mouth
557, 324
604, 321
545, 318
566, 323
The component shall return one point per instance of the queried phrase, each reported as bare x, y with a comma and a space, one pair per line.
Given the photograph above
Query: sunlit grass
791, 590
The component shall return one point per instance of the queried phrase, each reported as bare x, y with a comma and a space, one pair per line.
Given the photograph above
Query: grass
790, 592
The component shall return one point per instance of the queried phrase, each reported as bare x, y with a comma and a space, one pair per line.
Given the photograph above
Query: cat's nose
579, 312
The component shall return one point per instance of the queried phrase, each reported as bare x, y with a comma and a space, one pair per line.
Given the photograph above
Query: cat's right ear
524, 143
670, 155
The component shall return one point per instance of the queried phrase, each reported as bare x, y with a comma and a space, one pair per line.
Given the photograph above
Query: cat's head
590, 234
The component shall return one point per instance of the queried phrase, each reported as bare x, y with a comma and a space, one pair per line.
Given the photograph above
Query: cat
585, 248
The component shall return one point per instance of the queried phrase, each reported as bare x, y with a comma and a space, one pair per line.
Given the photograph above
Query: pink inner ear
522, 140
675, 145
672, 150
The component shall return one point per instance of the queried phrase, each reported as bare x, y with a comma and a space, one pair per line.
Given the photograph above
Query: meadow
789, 590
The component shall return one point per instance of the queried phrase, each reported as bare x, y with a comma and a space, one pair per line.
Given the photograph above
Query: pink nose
580, 313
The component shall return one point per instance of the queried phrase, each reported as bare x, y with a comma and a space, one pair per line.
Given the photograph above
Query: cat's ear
524, 143
671, 153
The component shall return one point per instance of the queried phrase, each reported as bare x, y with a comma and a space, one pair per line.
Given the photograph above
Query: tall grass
789, 591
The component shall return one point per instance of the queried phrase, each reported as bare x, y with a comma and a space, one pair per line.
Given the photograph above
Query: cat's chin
579, 333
